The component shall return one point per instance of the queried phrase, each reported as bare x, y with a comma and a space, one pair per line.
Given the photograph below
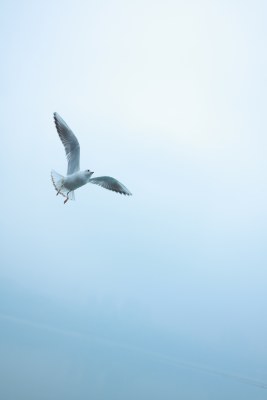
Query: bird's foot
65, 201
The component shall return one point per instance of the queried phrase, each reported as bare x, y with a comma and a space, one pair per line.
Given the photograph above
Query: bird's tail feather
58, 182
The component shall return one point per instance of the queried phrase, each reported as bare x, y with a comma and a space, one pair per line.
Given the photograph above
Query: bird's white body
76, 180
65, 185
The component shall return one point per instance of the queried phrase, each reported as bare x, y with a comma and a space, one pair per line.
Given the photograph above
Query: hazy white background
169, 98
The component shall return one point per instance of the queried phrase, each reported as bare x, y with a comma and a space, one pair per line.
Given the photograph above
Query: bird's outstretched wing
70, 142
111, 184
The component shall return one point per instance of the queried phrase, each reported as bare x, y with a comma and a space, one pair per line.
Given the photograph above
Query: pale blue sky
169, 98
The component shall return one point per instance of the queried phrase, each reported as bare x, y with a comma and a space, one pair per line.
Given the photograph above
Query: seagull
65, 185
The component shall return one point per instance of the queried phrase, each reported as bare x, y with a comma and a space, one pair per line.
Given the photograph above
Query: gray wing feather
111, 184
70, 143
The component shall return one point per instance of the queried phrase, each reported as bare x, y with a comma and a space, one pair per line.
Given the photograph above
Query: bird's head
88, 173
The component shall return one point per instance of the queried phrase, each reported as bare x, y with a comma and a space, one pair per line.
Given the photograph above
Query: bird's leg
65, 201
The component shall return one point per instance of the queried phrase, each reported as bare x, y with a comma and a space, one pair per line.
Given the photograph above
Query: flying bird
65, 185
